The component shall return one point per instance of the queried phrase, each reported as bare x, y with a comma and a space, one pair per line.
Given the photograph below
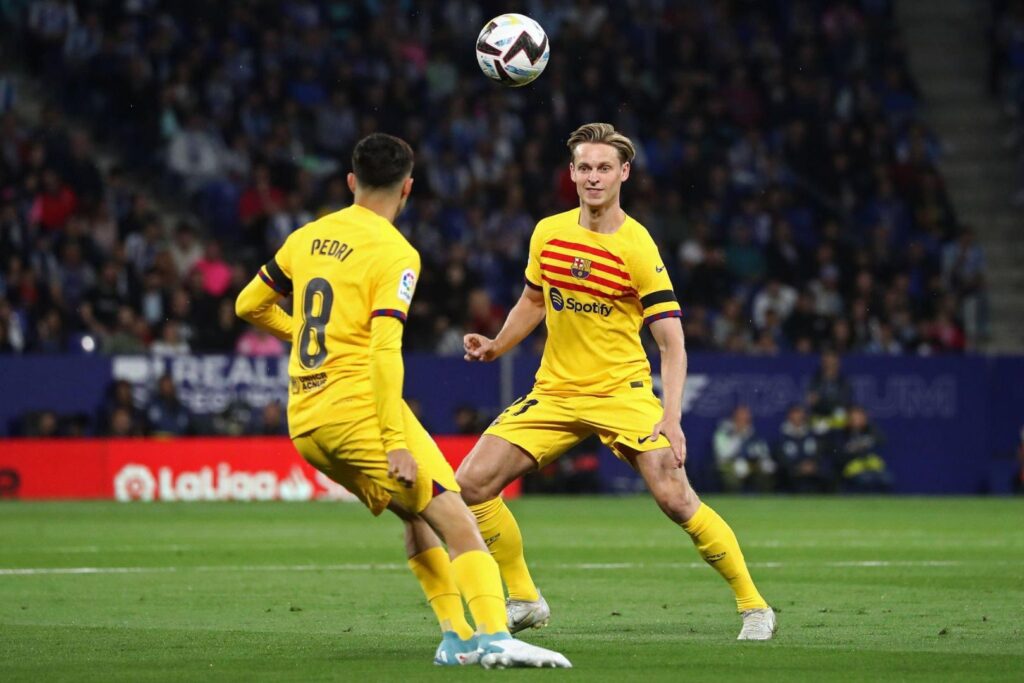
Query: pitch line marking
391, 566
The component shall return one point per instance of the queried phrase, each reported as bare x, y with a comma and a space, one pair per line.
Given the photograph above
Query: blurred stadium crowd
1006, 72
782, 169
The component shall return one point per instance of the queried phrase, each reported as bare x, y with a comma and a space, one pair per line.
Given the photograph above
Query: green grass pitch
868, 589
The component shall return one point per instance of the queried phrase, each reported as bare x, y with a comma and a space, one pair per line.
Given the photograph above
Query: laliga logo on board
136, 482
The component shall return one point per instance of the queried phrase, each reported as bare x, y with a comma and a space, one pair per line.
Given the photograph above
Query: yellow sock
433, 570
476, 574
717, 544
501, 534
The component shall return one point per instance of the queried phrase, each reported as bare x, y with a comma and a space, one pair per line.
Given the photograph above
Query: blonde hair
603, 133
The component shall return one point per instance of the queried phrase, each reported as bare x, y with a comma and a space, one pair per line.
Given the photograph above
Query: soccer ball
512, 49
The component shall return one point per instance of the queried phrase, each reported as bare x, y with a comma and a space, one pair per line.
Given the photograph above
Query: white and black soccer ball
512, 49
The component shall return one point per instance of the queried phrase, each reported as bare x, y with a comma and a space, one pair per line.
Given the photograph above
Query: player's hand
673, 431
402, 467
479, 348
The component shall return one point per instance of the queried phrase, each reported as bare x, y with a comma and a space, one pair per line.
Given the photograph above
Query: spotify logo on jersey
575, 306
557, 302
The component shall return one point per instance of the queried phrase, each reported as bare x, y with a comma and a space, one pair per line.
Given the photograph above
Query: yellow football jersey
599, 289
344, 269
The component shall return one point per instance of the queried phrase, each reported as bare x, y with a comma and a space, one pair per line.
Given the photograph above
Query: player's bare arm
257, 304
668, 333
521, 321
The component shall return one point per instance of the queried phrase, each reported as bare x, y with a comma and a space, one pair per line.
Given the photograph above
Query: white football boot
758, 624
522, 614
502, 651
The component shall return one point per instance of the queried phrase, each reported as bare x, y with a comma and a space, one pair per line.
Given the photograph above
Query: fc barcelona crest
580, 268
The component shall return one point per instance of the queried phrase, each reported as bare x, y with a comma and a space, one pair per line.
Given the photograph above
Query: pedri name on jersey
333, 248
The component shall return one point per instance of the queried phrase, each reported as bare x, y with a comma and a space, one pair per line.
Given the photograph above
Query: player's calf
453, 521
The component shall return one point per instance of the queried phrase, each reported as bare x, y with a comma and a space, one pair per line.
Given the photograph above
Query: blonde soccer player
353, 276
595, 276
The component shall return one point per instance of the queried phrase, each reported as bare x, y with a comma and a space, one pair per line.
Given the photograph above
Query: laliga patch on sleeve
406, 286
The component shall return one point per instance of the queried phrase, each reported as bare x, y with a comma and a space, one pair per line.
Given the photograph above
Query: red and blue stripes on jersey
661, 316
274, 277
388, 313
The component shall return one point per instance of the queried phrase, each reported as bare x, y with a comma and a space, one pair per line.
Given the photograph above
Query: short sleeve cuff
273, 276
388, 313
676, 313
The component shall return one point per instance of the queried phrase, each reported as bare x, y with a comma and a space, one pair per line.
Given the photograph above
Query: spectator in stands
798, 453
170, 342
12, 335
99, 310
742, 458
49, 333
119, 416
731, 325
185, 249
142, 246
236, 419
40, 424
54, 203
774, 296
193, 154
221, 336
469, 421
216, 271
830, 394
883, 342
165, 414
259, 201
945, 334
45, 425
963, 272
861, 466
270, 421
256, 342
483, 315
786, 144
76, 276
128, 336
291, 216
804, 326
123, 425
80, 170
448, 337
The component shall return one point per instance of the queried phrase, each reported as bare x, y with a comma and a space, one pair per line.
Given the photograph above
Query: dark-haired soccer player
353, 277
596, 276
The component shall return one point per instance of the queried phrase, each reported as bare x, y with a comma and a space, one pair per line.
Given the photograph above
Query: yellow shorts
351, 453
545, 426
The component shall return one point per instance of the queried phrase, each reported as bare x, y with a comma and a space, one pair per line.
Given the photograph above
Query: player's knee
475, 488
473, 492
679, 504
